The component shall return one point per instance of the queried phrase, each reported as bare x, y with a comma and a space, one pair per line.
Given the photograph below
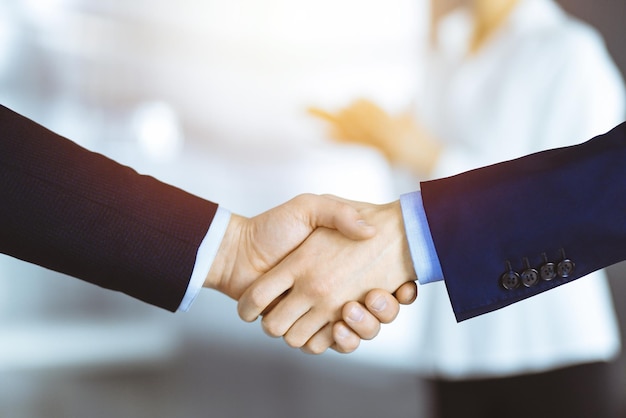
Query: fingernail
342, 331
379, 303
356, 314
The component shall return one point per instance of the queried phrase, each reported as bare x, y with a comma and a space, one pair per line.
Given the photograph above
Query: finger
352, 203
320, 342
382, 304
273, 303
285, 315
346, 340
259, 296
304, 328
322, 114
407, 293
336, 214
338, 130
360, 320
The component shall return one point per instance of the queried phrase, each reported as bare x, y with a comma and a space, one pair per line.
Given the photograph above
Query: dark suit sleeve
568, 202
82, 214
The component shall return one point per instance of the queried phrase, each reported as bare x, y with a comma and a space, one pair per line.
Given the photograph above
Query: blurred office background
210, 95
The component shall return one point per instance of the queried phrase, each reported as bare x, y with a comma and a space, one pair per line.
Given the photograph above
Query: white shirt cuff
205, 256
421, 245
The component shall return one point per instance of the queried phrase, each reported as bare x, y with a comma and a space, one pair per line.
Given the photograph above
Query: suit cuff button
530, 276
566, 267
547, 269
510, 280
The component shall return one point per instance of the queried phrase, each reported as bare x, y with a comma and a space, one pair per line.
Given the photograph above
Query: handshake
323, 272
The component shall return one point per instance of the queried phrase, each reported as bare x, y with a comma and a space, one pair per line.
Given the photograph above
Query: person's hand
362, 321
327, 271
364, 122
399, 137
252, 246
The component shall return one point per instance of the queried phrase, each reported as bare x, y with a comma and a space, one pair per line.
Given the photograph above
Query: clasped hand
319, 269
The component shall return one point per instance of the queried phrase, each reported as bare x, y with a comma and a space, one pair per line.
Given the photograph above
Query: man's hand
251, 247
362, 321
327, 271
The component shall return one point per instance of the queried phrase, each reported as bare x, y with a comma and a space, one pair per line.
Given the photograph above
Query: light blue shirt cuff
205, 256
425, 259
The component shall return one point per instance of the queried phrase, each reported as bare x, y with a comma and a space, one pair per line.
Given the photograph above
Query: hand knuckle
373, 333
315, 347
257, 298
293, 342
320, 288
347, 346
271, 328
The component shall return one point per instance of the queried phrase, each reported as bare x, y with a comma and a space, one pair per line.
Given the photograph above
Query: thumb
329, 212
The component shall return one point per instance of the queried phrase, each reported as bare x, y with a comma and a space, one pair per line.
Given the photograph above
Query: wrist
223, 265
390, 224
405, 261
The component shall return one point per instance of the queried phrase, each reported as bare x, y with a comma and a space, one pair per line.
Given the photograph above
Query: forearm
82, 214
565, 200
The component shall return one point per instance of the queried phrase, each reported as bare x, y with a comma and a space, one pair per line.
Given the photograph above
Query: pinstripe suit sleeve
77, 212
569, 200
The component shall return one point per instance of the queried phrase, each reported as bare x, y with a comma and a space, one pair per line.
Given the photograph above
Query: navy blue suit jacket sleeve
77, 212
563, 203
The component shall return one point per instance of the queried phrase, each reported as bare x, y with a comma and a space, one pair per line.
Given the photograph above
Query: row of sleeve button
530, 276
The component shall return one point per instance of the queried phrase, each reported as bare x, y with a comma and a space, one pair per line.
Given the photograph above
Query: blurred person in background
505, 78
